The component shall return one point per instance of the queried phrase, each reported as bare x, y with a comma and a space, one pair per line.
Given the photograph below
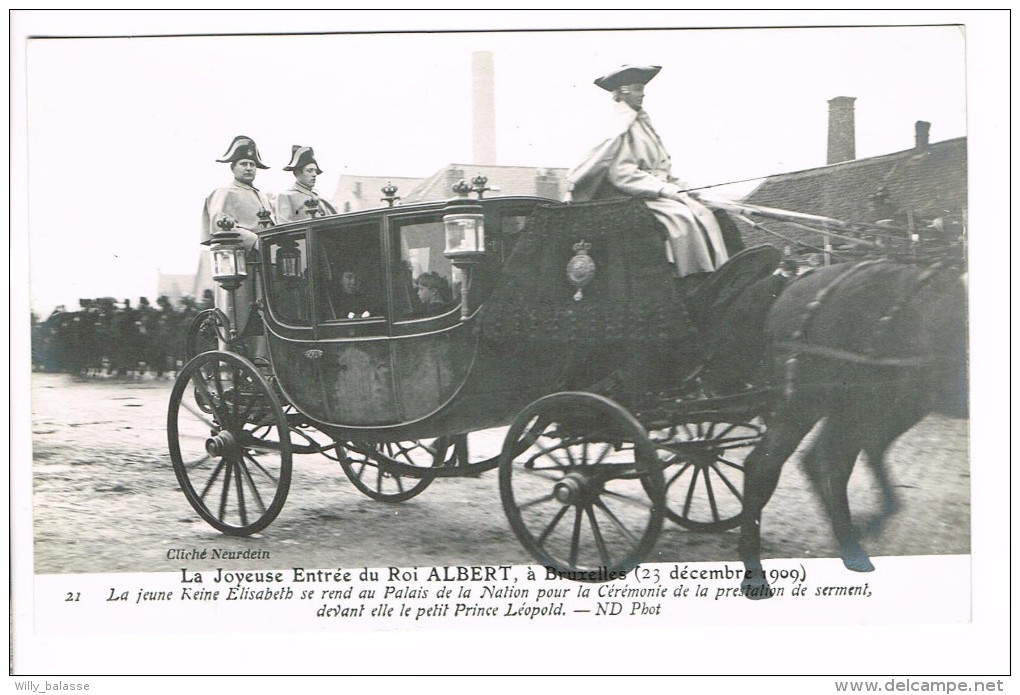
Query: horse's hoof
858, 562
756, 589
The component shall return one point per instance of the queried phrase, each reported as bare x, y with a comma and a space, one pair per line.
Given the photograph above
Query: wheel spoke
633, 501
733, 488
212, 479
551, 474
537, 500
251, 485
600, 542
568, 449
690, 491
258, 465
732, 464
616, 521
552, 524
240, 493
711, 495
729, 428
607, 448
680, 471
575, 538
226, 488
190, 465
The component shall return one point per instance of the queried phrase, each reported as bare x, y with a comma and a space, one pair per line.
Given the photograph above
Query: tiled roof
928, 183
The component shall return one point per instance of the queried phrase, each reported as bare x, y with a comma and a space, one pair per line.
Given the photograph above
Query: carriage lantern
288, 259
229, 266
464, 223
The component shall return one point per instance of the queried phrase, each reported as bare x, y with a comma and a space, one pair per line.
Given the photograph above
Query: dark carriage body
385, 372
390, 339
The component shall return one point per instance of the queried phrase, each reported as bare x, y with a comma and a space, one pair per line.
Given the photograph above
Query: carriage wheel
229, 443
705, 472
374, 468
205, 332
582, 486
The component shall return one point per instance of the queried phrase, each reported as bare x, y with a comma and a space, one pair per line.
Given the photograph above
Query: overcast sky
123, 132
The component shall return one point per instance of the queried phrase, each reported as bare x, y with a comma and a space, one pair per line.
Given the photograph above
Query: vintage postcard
373, 332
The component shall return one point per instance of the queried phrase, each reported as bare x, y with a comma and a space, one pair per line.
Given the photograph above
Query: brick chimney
842, 146
921, 129
453, 175
483, 104
546, 184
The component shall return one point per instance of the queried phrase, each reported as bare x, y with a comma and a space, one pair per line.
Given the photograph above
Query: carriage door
432, 349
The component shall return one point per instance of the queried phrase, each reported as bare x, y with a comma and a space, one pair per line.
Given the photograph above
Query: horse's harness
799, 346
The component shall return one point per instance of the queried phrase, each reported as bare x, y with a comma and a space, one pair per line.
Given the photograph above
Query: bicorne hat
301, 157
628, 74
243, 147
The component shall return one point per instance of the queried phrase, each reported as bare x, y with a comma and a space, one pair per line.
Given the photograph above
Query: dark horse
868, 349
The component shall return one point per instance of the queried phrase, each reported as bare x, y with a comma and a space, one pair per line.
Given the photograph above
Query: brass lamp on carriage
464, 226
229, 264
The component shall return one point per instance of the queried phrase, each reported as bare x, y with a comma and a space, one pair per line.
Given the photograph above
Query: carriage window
425, 283
350, 282
288, 280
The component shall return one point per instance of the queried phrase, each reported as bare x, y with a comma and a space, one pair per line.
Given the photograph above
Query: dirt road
106, 500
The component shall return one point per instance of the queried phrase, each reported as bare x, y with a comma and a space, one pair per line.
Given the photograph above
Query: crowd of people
106, 338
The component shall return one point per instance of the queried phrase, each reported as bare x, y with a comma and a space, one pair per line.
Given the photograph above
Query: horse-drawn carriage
564, 325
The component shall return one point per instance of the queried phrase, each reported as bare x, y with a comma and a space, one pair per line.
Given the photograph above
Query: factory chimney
483, 108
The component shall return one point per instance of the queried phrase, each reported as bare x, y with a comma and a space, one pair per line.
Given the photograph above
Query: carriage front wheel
229, 443
582, 486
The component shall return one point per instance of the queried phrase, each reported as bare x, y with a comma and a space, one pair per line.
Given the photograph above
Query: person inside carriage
434, 293
350, 299
633, 161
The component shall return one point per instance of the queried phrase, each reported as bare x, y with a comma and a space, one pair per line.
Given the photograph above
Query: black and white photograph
354, 332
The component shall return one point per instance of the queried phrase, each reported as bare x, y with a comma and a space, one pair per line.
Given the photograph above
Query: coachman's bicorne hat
301, 157
628, 74
243, 147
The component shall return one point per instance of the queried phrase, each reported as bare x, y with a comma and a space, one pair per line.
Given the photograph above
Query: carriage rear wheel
394, 471
705, 471
582, 486
229, 443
